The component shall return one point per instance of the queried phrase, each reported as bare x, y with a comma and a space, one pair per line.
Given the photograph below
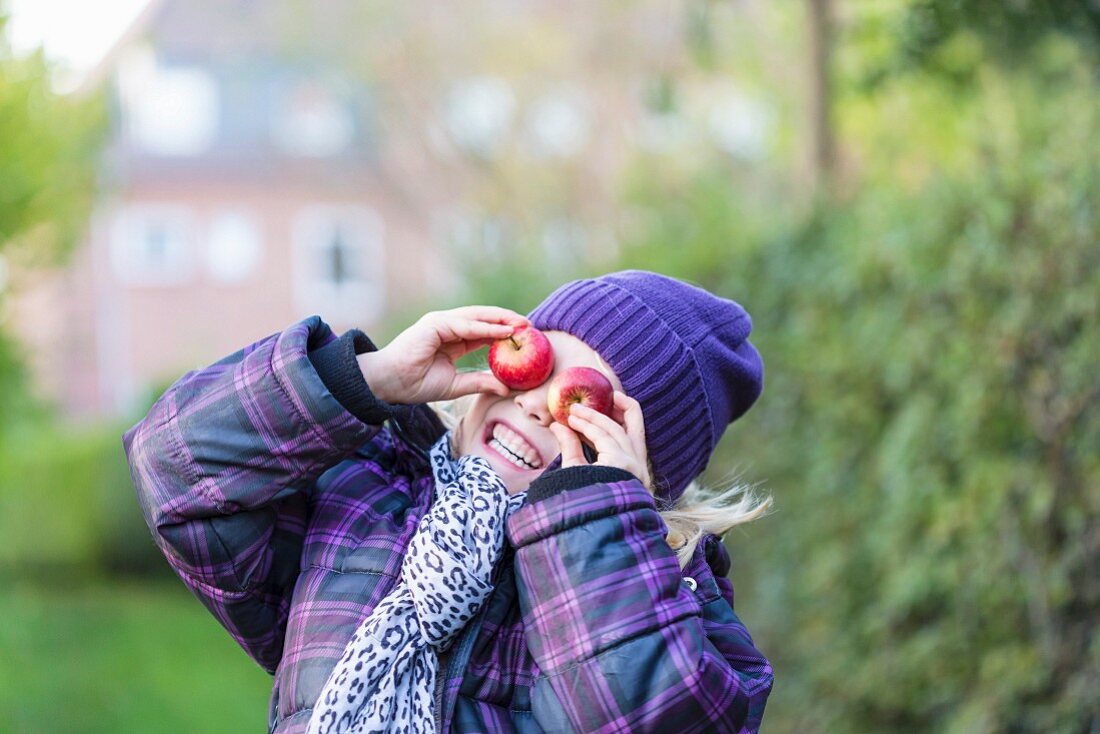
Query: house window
740, 125
479, 114
312, 120
472, 235
339, 264
152, 245
168, 110
558, 124
235, 246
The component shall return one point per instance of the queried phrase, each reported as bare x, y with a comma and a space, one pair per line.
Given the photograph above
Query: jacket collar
415, 429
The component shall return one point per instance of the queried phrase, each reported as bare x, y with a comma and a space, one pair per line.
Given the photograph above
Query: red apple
583, 385
523, 360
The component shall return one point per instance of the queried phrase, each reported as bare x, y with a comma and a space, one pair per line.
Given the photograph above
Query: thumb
572, 453
467, 383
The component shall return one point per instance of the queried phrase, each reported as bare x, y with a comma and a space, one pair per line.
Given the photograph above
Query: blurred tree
822, 140
1010, 29
48, 157
932, 34
48, 147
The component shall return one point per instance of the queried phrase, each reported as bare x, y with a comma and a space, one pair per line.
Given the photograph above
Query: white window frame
220, 218
168, 110
129, 260
320, 132
361, 298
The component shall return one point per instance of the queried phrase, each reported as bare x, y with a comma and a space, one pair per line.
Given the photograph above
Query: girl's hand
418, 366
619, 440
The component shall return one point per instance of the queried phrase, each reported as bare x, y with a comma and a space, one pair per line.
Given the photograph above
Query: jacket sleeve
622, 642
223, 464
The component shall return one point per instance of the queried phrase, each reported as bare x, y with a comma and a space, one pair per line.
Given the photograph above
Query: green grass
121, 657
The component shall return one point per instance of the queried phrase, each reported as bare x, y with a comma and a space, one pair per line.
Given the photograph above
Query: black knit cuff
339, 370
574, 477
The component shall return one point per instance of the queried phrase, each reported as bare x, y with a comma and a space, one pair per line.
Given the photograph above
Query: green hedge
67, 504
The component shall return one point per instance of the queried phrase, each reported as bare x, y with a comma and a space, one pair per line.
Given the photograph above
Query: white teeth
514, 447
509, 455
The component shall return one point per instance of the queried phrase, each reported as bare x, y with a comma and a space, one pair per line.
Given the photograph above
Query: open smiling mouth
513, 448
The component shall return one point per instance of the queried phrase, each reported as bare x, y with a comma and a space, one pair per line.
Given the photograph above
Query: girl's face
513, 433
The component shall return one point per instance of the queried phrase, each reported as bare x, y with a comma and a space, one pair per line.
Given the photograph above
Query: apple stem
514, 345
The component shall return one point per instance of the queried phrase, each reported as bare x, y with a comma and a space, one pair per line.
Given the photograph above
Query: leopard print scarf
386, 679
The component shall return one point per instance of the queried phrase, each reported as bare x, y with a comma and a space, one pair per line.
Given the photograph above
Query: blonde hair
699, 511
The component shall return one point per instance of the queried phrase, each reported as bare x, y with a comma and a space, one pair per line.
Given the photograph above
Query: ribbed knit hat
680, 351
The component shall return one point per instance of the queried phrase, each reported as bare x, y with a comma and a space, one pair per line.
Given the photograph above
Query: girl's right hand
418, 366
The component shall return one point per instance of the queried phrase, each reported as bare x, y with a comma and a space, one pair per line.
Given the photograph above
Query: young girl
396, 576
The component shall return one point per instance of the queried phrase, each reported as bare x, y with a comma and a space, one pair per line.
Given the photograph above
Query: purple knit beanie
681, 352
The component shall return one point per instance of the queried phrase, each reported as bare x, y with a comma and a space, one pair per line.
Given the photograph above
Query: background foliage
929, 431
48, 157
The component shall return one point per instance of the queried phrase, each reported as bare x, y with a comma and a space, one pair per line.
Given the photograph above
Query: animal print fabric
385, 681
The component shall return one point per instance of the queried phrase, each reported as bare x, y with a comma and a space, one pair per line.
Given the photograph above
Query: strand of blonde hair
700, 511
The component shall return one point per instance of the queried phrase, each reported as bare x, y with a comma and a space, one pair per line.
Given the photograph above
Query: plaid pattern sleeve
222, 464
622, 642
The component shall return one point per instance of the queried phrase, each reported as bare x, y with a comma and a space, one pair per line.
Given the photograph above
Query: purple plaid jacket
287, 516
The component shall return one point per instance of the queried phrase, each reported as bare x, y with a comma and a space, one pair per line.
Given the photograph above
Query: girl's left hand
619, 440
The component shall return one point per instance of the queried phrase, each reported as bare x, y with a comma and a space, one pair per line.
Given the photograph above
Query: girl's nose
533, 403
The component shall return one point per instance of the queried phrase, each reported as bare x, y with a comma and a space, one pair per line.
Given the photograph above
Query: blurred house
241, 191
279, 158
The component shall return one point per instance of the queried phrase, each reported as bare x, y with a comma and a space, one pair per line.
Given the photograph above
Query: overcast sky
74, 33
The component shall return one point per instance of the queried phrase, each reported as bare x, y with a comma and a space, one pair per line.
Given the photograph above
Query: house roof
212, 30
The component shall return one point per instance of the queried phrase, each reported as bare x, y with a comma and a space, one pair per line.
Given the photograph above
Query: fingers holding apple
418, 366
483, 319
587, 408
604, 434
468, 383
463, 330
628, 412
579, 385
572, 451
614, 445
